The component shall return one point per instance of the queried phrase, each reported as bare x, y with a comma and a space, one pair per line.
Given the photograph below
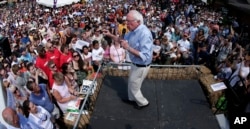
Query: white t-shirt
97, 54
184, 46
169, 47
84, 57
41, 118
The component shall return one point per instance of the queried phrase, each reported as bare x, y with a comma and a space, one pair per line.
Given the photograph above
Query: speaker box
5, 47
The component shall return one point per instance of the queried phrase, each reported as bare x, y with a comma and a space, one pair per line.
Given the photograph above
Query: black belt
139, 65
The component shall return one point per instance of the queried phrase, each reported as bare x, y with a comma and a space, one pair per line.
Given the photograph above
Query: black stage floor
174, 104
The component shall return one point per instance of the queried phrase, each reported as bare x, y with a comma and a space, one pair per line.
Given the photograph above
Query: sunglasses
53, 66
75, 56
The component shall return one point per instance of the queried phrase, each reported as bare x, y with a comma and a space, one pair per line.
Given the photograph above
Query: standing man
139, 43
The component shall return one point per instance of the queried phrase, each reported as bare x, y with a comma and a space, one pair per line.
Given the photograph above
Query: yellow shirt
121, 27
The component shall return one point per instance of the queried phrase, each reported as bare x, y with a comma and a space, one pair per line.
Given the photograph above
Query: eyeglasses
131, 20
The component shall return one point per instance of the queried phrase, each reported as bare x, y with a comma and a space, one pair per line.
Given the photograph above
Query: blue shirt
141, 39
28, 57
43, 99
25, 40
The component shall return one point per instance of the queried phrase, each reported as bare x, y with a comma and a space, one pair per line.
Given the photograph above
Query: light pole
55, 1
32, 7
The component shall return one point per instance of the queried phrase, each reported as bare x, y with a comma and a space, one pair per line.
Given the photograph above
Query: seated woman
38, 115
78, 66
168, 51
156, 52
70, 76
106, 54
62, 92
117, 53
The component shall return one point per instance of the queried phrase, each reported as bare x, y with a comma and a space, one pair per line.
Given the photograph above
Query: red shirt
55, 56
65, 58
51, 80
41, 63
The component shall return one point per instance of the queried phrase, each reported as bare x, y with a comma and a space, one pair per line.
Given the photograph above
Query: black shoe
140, 107
129, 102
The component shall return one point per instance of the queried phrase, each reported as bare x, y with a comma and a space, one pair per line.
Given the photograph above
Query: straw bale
150, 76
126, 73
165, 70
213, 96
115, 72
164, 76
205, 70
159, 76
161, 71
110, 71
150, 71
155, 70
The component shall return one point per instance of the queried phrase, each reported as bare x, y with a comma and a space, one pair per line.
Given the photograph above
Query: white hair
137, 16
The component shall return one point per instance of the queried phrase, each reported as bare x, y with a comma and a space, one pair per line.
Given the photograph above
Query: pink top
117, 54
106, 54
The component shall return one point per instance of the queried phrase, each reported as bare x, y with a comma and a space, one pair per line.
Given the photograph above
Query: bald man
11, 118
16, 121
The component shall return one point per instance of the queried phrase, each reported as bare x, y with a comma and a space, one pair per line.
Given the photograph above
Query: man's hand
106, 32
124, 44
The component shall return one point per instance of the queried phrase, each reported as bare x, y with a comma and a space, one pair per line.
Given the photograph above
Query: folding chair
236, 98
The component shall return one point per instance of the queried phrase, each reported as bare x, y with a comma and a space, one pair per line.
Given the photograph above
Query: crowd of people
53, 50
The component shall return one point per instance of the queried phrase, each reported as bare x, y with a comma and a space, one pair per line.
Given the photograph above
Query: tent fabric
59, 3
241, 5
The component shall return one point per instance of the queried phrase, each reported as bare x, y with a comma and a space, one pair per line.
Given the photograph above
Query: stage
174, 104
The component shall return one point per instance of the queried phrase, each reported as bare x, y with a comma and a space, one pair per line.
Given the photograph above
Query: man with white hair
139, 43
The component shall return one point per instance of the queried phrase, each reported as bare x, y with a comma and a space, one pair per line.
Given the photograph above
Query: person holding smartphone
139, 44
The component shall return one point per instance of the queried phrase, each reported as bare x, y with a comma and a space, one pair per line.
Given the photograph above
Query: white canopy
59, 3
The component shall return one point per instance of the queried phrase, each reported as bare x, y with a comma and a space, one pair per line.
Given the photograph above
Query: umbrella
59, 3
